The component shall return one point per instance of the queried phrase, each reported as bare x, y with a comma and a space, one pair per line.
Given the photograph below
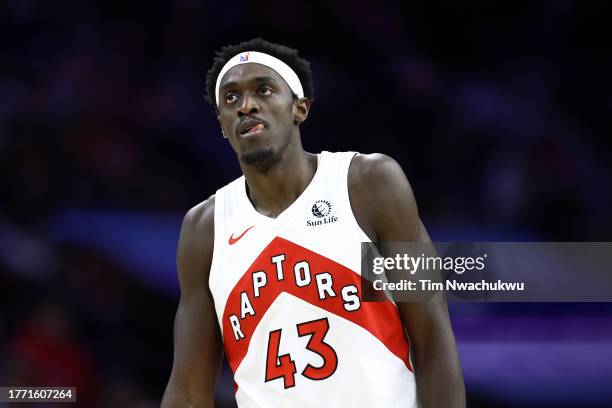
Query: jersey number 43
284, 367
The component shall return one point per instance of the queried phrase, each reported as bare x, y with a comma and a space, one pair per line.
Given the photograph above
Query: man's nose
249, 105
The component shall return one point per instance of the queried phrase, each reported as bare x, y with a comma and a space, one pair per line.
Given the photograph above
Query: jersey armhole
219, 216
353, 225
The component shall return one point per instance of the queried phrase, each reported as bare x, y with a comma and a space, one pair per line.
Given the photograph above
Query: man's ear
221, 126
301, 107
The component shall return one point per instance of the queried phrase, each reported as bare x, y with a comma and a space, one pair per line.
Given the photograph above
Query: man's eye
229, 98
264, 90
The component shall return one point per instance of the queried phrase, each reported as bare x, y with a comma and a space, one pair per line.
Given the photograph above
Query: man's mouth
250, 126
251, 130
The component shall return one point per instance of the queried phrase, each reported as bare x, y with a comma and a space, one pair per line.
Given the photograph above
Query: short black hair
288, 55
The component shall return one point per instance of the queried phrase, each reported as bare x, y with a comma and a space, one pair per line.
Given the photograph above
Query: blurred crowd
499, 114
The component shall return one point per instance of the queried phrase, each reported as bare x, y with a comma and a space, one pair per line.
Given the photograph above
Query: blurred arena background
499, 113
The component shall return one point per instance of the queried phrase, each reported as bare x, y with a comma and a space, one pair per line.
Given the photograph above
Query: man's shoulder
371, 170
200, 218
194, 253
373, 183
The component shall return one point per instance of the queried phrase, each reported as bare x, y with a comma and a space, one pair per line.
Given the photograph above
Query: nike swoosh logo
233, 240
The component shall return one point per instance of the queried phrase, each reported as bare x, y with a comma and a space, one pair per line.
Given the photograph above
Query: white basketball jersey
287, 294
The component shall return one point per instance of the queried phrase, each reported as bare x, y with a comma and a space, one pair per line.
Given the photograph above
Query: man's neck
274, 190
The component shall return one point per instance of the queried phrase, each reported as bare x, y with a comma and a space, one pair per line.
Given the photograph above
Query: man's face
256, 112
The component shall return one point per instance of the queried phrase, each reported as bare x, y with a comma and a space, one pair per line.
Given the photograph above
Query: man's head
257, 106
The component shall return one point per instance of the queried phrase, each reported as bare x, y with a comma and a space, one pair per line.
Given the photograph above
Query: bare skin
198, 348
396, 219
277, 171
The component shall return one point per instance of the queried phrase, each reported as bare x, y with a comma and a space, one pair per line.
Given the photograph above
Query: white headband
255, 57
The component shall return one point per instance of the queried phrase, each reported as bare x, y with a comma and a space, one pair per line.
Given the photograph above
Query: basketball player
269, 266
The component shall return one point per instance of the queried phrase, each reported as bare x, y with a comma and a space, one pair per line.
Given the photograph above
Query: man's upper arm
385, 207
197, 340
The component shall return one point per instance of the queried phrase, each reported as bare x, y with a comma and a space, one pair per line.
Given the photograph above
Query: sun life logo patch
322, 210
